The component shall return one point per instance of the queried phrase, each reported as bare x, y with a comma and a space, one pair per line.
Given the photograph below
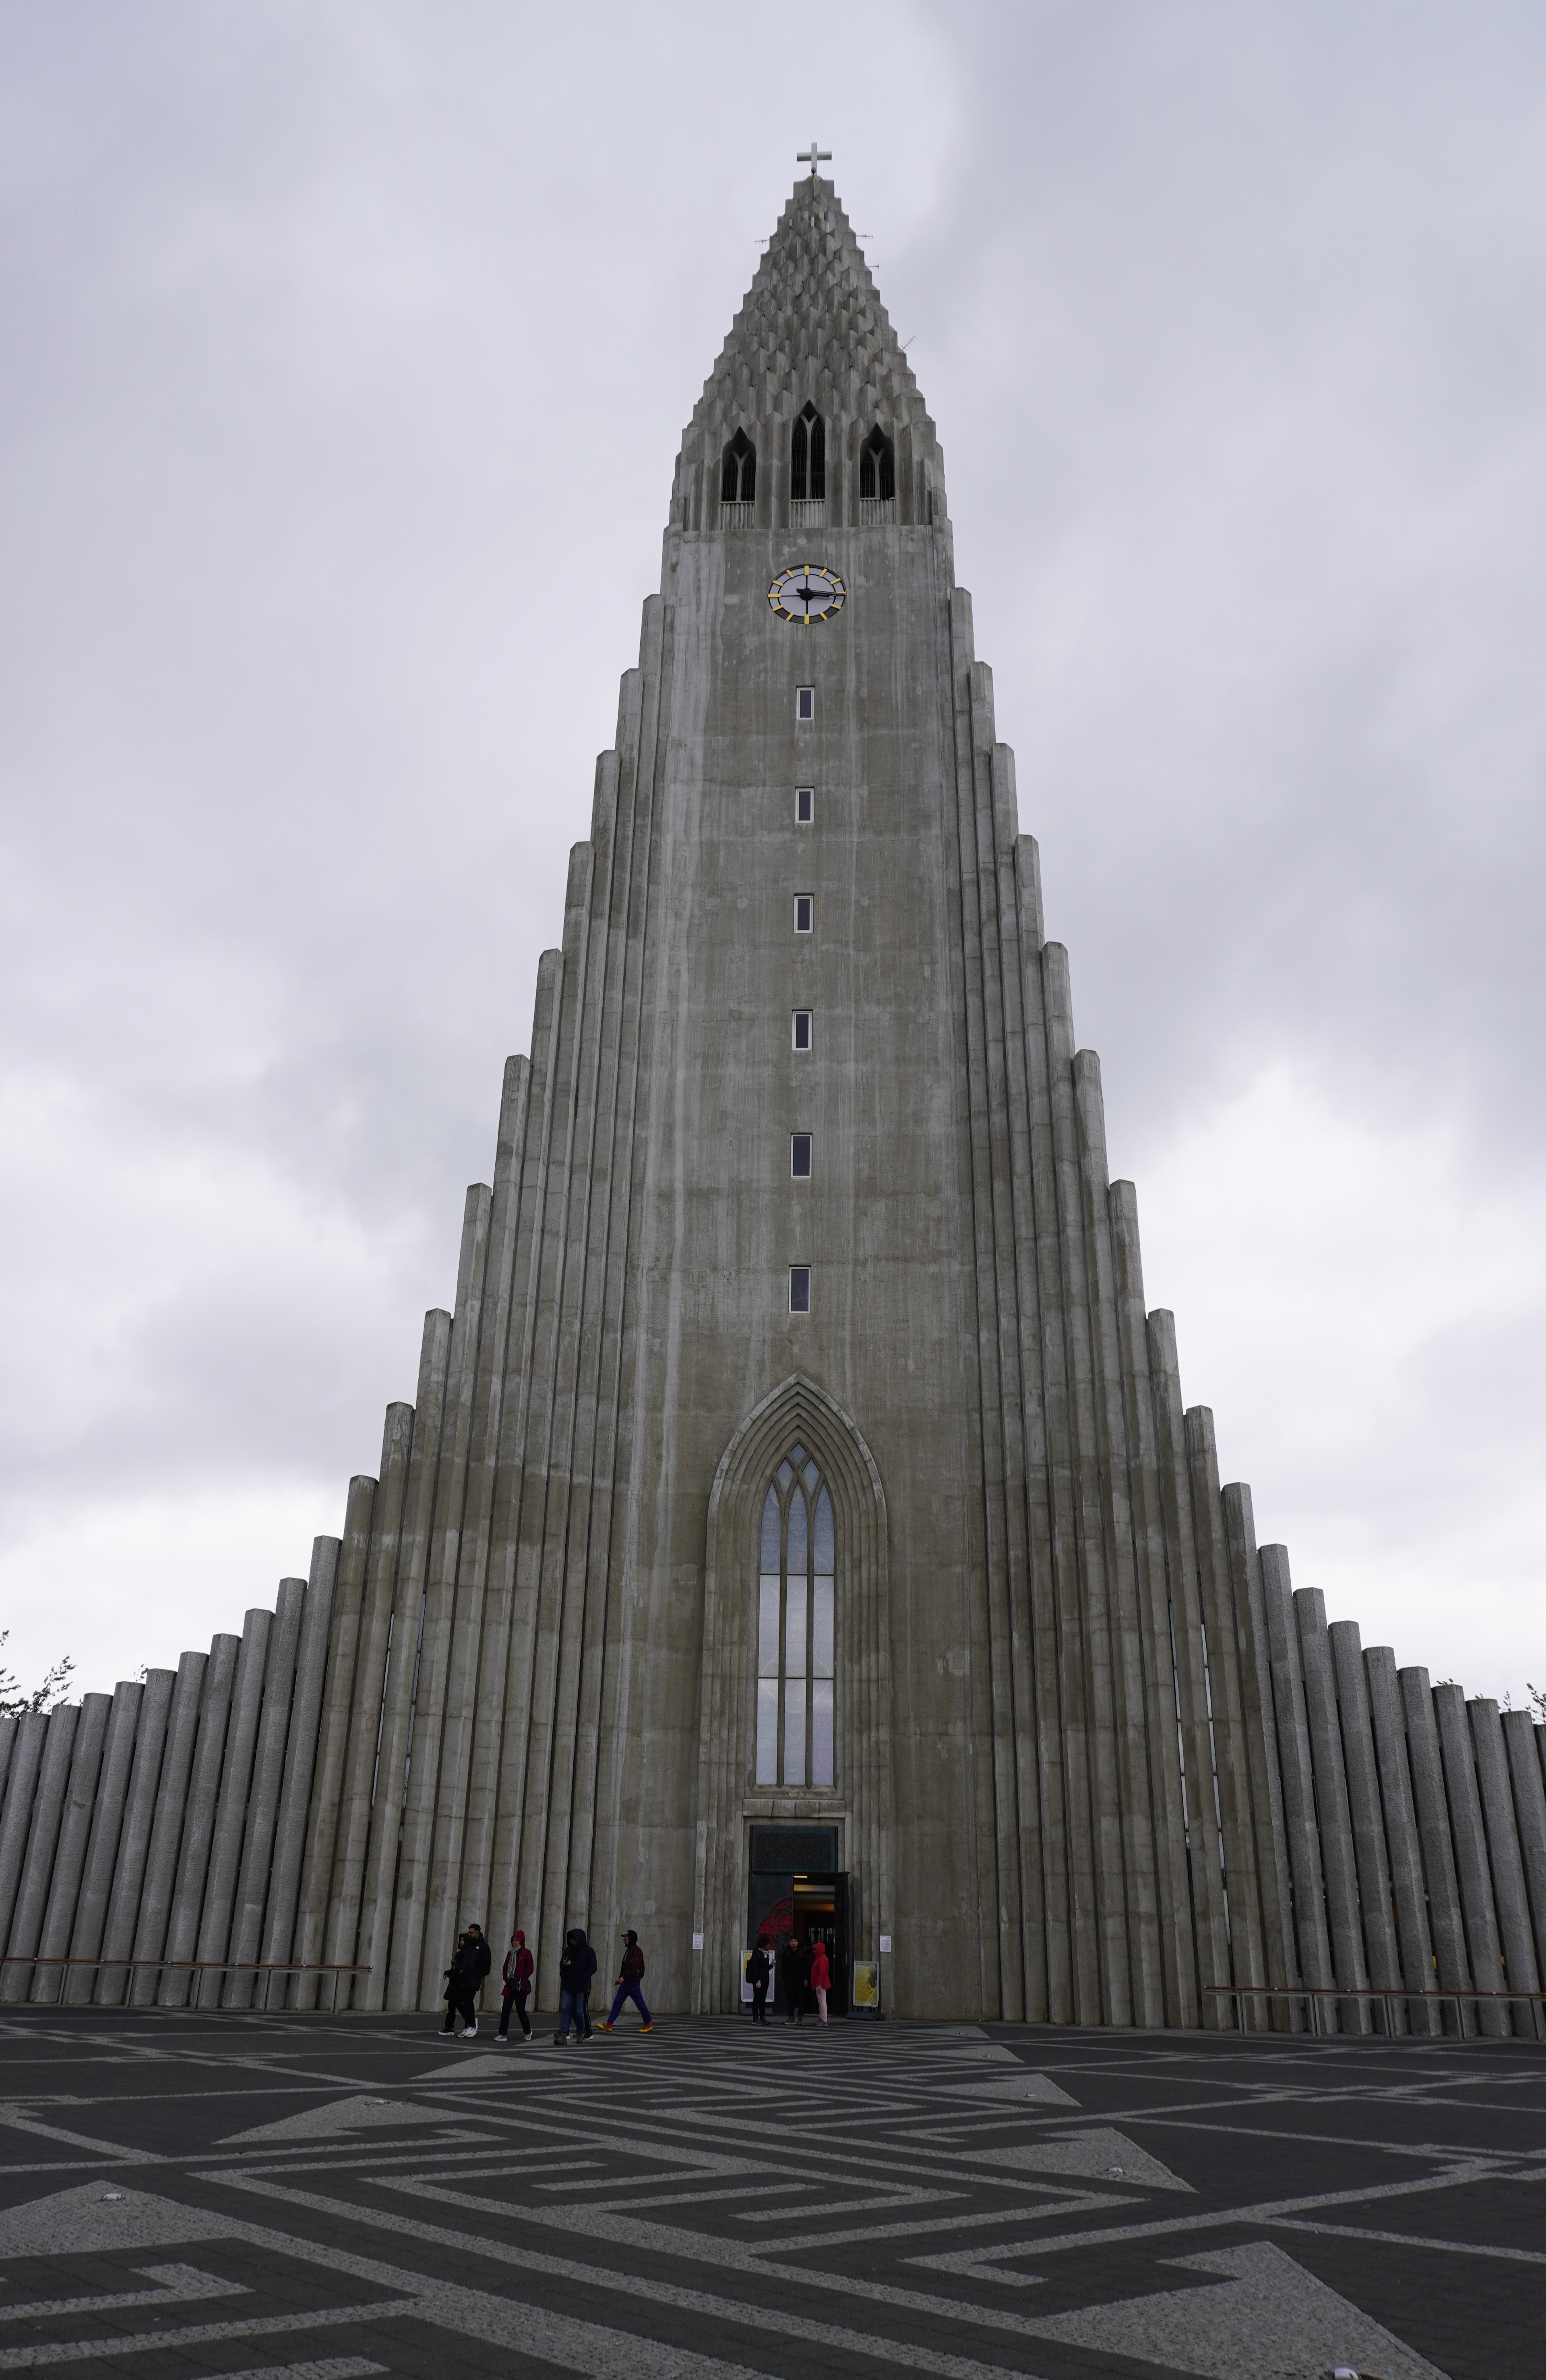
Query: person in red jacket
821, 1980
629, 1986
516, 1987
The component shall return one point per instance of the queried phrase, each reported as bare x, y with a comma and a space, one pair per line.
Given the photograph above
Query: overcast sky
343, 356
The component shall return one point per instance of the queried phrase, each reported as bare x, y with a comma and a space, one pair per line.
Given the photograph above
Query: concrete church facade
798, 1498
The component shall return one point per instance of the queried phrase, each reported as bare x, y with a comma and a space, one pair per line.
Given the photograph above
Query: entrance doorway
798, 1897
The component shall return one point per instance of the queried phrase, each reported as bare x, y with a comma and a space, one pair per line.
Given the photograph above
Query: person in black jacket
575, 1970
454, 1984
759, 1970
468, 1970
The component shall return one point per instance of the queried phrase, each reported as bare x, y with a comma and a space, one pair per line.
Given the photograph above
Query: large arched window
808, 457
795, 1628
739, 479
877, 467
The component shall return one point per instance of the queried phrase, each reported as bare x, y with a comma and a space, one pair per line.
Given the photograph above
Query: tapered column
101, 1848
1471, 1868
166, 1827
262, 1799
1450, 1954
16, 1821
1298, 1786
134, 1837
230, 1817
1227, 1721
346, 1707
176, 1985
48, 1817
302, 1749
1521, 1974
69, 1858
8, 1724
1362, 1769
1520, 1739
1403, 1845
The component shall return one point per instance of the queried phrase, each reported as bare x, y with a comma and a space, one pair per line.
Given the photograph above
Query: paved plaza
324, 2198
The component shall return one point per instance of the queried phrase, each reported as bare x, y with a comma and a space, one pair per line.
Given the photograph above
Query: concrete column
263, 1800
166, 1828
1298, 1786
1362, 1767
1266, 1781
1451, 1953
1471, 1868
230, 1817
69, 1858
1520, 1971
134, 1837
1520, 1735
7, 1739
16, 1823
300, 1762
101, 1848
37, 1870
1226, 1729
1337, 1863
1402, 1844
176, 1985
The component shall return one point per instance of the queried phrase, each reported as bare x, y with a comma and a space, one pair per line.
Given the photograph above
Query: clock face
810, 592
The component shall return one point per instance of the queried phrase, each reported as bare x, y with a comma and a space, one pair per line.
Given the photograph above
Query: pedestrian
453, 1982
464, 1980
515, 1983
821, 1980
758, 1969
575, 1970
789, 1977
629, 1986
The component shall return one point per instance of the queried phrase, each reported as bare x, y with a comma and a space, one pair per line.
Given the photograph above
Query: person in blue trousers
575, 1970
629, 1986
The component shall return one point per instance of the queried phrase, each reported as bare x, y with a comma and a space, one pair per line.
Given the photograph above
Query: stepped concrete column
134, 1837
75, 1833
43, 1836
1471, 1868
1361, 1767
166, 1828
1266, 1781
230, 1817
1451, 1956
7, 1738
1299, 1785
16, 1823
1402, 1844
1512, 1899
203, 1793
1520, 1736
1337, 1862
262, 1798
102, 1847
301, 1761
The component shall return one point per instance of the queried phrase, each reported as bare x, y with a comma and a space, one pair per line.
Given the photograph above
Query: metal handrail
1312, 1994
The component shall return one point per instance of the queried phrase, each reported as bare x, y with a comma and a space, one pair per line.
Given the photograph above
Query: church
798, 1524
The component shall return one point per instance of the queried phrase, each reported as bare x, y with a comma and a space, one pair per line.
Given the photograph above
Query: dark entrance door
797, 1893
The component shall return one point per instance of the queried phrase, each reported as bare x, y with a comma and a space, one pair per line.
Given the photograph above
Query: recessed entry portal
798, 1897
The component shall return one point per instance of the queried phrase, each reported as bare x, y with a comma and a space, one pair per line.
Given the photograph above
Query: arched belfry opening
794, 1727
738, 476
877, 469
808, 457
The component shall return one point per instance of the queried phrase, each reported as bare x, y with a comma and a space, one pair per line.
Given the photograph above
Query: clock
809, 591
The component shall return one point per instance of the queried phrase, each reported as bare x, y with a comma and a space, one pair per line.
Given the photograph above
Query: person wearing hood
759, 1973
575, 1970
629, 1986
464, 1980
517, 1985
821, 1980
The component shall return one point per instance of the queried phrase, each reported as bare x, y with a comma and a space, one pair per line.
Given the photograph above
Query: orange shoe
606, 2025
645, 2028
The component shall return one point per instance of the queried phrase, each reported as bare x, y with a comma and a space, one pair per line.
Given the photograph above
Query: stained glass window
795, 1628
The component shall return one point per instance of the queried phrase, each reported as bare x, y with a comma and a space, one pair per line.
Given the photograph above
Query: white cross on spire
813, 156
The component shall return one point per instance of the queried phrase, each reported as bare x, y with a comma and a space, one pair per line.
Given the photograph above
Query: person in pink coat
821, 1980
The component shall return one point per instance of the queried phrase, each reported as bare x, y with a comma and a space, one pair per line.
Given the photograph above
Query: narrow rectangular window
805, 702
805, 804
804, 905
799, 1155
799, 1289
767, 1730
801, 1038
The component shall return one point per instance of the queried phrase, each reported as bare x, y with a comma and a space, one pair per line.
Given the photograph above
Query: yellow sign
866, 1983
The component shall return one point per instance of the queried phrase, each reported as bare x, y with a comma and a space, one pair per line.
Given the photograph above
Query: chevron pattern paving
222, 2195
